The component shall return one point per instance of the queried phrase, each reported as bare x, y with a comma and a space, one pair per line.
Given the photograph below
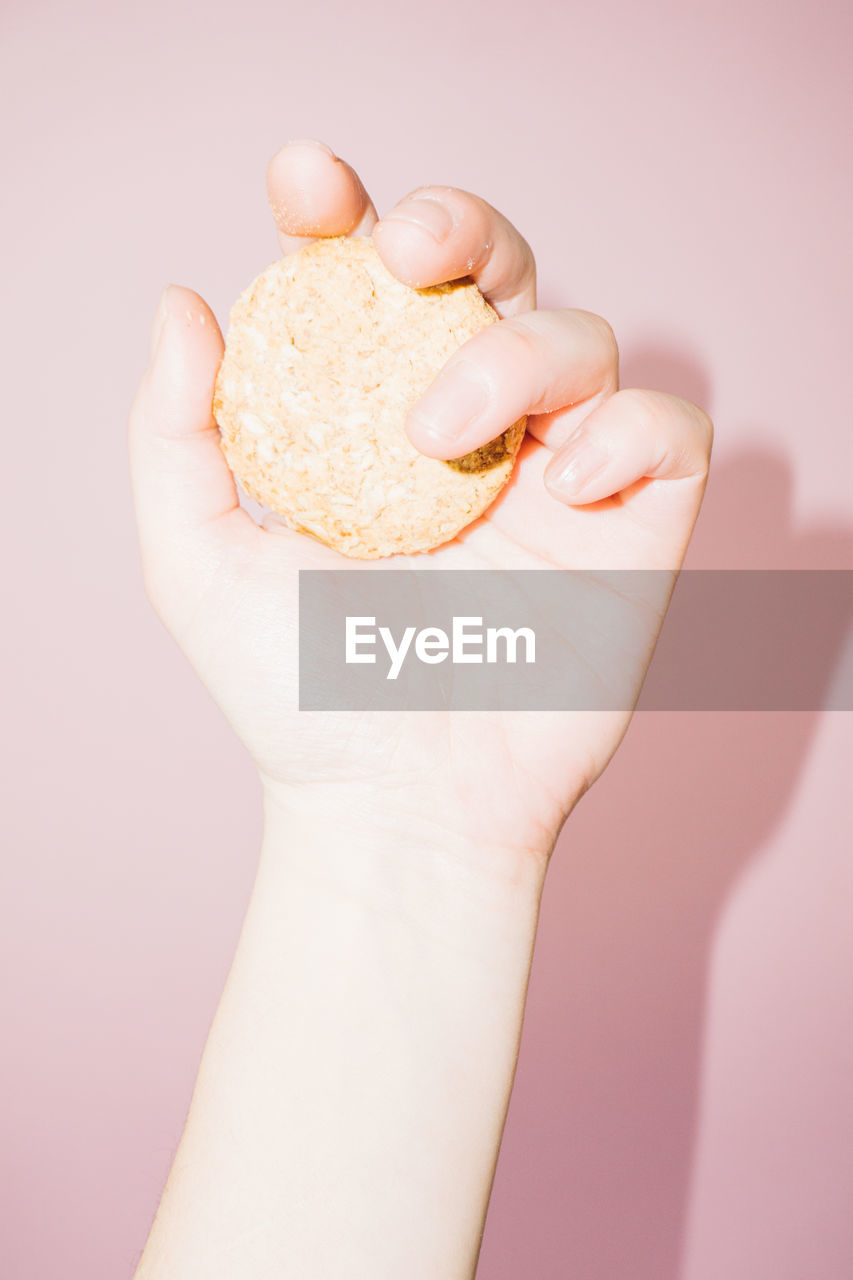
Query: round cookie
326, 354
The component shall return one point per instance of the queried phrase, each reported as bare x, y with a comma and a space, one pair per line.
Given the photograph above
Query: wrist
347, 840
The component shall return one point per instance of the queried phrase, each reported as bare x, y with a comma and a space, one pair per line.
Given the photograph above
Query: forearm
352, 1094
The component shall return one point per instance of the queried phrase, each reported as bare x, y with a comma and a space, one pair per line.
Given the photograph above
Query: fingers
312, 193
440, 233
531, 364
560, 368
634, 436
434, 235
184, 493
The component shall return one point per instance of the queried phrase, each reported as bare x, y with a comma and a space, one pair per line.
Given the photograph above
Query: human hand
606, 480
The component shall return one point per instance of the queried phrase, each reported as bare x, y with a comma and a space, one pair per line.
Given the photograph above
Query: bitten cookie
326, 353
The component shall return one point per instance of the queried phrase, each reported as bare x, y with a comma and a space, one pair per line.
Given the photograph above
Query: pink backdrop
684, 1102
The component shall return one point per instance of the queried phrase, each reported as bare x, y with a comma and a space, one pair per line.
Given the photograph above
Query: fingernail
311, 142
454, 402
161, 315
427, 214
577, 462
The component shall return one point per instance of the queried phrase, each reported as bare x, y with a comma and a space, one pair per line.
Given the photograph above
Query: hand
606, 479
367, 1037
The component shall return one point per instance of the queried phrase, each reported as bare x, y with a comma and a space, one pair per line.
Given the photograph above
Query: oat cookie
325, 355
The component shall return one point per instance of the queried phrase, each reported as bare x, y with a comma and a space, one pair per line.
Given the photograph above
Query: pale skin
352, 1093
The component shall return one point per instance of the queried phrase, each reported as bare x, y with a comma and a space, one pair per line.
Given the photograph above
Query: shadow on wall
595, 1170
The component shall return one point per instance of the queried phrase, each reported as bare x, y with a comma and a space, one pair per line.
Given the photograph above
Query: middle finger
438, 234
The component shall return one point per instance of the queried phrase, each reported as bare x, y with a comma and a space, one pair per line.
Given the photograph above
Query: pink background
684, 1102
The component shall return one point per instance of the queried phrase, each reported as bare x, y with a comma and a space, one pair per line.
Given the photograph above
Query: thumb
184, 494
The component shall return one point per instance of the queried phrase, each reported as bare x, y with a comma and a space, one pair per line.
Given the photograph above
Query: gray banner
389, 639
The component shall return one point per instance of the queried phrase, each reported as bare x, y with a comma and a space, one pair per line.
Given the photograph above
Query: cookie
326, 354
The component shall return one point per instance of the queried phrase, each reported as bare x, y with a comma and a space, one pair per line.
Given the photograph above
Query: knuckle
429, 191
604, 336
609, 342
526, 261
644, 406
706, 425
696, 420
686, 427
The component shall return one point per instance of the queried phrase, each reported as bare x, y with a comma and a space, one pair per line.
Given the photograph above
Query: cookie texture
326, 353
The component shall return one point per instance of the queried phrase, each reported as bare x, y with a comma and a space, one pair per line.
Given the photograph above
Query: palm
516, 772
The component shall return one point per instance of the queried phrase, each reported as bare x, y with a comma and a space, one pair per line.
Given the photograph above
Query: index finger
313, 193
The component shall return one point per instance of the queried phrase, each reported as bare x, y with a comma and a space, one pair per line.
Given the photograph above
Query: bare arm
353, 1090
352, 1094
